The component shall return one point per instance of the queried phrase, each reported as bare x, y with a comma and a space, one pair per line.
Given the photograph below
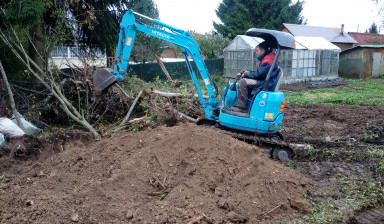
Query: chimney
342, 29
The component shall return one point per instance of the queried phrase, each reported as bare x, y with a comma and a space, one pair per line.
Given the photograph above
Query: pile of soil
182, 174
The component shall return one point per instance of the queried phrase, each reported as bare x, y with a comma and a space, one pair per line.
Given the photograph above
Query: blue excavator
264, 117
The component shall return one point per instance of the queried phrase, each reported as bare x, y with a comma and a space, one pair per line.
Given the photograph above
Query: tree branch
129, 112
13, 106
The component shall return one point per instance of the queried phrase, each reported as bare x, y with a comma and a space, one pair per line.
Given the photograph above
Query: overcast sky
198, 15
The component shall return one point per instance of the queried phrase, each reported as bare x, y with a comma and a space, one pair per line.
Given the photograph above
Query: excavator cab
266, 108
265, 113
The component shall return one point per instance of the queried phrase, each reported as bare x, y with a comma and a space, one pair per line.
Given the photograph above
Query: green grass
355, 92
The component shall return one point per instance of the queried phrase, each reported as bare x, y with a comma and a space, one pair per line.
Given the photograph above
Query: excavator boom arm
128, 29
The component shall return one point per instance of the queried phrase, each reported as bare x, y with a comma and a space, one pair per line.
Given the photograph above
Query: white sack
2, 139
29, 128
10, 129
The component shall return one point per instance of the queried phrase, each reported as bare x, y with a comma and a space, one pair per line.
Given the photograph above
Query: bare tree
11, 39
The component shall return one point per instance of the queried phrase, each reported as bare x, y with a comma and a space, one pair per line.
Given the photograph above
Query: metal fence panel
177, 70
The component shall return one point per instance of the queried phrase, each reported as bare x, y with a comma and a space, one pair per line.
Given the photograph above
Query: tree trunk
162, 66
12, 101
36, 48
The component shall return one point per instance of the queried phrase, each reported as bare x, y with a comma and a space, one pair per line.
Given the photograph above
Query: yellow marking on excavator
269, 115
129, 41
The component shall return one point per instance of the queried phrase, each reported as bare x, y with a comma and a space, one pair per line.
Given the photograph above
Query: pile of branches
67, 99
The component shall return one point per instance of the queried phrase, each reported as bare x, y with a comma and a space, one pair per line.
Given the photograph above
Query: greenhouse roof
243, 42
316, 43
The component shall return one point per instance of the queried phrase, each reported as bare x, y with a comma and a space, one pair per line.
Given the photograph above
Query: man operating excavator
252, 81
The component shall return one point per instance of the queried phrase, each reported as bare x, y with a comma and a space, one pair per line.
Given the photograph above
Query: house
314, 58
362, 61
336, 36
168, 51
76, 56
368, 38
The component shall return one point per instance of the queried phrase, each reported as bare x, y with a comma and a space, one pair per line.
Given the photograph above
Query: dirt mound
183, 174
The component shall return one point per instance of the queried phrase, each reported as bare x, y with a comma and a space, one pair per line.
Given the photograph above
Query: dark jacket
261, 73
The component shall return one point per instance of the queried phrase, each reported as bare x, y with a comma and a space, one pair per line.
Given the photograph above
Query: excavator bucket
102, 80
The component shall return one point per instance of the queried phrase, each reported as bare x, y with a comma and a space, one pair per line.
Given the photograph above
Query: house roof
243, 42
368, 38
333, 35
362, 46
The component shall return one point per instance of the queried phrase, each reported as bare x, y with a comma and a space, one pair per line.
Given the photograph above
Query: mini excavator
259, 125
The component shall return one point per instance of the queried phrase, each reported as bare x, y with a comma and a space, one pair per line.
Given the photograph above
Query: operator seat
279, 80
275, 89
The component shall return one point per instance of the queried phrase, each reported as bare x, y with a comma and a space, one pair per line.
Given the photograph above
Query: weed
46, 133
380, 168
356, 194
190, 196
2, 177
291, 163
360, 193
370, 135
162, 196
375, 153
324, 212
137, 126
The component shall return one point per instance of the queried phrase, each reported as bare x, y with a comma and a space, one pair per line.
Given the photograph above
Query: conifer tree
237, 16
373, 29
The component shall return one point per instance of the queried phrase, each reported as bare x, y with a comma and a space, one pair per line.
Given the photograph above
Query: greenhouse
314, 58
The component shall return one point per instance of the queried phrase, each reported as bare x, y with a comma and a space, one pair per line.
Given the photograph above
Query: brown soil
321, 124
186, 173
162, 175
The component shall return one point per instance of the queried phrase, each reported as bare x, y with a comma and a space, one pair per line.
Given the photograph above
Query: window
60, 52
76, 52
303, 63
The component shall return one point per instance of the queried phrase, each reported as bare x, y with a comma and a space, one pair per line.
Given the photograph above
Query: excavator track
272, 144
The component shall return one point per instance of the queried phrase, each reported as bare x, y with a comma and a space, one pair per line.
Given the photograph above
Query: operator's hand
241, 73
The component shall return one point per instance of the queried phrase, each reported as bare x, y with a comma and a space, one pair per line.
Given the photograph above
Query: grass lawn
356, 91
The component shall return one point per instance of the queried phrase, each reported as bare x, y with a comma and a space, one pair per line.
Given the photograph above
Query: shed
313, 58
362, 61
